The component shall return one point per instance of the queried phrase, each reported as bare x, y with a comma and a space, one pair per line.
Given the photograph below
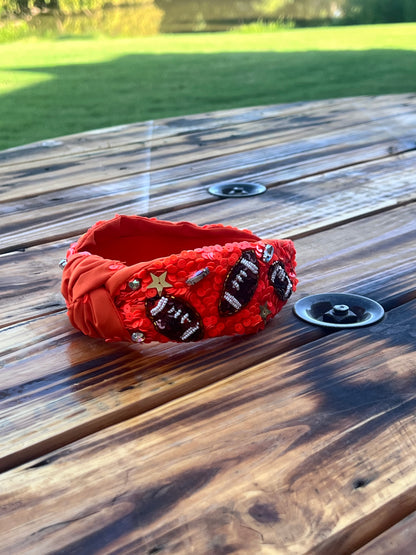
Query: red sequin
204, 297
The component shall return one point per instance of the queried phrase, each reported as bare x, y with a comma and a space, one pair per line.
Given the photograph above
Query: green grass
56, 87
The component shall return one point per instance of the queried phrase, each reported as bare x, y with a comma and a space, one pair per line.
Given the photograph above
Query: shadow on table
368, 380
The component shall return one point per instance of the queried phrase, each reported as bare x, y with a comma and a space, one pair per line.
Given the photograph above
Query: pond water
217, 15
173, 16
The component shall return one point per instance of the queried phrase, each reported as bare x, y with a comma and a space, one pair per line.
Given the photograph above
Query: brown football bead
240, 285
280, 281
174, 318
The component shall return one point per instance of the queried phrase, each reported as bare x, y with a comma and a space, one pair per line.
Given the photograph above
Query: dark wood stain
265, 513
146, 507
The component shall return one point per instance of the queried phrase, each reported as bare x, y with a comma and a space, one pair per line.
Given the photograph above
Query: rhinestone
62, 263
268, 253
135, 284
197, 276
137, 337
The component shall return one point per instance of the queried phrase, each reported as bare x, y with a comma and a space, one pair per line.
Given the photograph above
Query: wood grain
295, 208
110, 137
381, 107
397, 539
298, 458
216, 155
319, 202
31, 278
75, 385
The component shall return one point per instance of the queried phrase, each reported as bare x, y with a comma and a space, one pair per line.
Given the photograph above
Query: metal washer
237, 190
308, 309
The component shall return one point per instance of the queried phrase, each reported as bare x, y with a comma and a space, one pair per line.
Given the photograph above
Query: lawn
50, 88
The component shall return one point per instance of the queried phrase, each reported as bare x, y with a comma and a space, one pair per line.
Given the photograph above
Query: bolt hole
360, 483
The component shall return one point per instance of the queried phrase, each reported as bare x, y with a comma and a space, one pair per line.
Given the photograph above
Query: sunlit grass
55, 87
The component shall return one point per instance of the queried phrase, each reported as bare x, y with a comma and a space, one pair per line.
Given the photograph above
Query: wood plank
31, 283
397, 539
75, 385
305, 205
118, 136
308, 451
121, 135
164, 190
35, 270
268, 143
328, 199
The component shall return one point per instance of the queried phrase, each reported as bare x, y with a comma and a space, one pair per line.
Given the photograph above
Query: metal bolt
340, 309
237, 191
225, 190
340, 314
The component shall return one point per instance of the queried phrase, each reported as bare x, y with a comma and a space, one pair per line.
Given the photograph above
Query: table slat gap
397, 537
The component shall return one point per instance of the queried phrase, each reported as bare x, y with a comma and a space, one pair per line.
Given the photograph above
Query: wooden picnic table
297, 439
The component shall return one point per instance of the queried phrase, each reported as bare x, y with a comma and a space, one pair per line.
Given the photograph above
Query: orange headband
142, 279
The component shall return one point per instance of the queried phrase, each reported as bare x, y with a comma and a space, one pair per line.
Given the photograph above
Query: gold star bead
159, 282
264, 311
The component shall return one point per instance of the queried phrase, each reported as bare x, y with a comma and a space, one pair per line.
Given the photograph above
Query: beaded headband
141, 279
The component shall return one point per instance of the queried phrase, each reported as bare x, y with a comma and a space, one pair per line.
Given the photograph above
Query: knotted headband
142, 279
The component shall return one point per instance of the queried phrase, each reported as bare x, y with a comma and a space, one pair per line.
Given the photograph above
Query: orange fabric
104, 259
90, 305
134, 239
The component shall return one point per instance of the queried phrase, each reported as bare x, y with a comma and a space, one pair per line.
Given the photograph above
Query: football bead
174, 318
280, 281
240, 284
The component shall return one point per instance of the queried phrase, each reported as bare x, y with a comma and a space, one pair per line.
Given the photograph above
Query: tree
379, 11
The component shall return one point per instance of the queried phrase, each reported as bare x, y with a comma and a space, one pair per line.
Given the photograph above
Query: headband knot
91, 307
